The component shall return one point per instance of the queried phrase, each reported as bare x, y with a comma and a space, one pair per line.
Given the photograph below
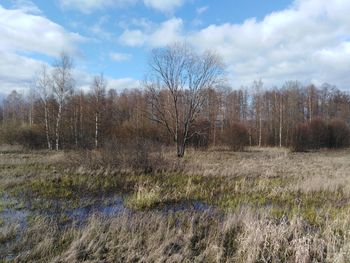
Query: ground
262, 205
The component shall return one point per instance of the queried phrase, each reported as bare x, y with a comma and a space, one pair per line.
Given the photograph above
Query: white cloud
140, 22
166, 6
120, 56
83, 81
24, 33
26, 5
168, 32
201, 10
163, 34
133, 38
306, 42
98, 29
21, 31
88, 6
16, 72
123, 83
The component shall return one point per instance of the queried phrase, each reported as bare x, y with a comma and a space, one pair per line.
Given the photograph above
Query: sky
272, 40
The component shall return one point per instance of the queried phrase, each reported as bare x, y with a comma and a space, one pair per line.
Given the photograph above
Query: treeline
54, 115
274, 117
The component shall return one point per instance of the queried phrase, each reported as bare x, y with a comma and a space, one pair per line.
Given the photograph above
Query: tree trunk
310, 107
281, 121
81, 117
58, 126
180, 144
96, 130
260, 130
180, 149
214, 134
31, 115
47, 129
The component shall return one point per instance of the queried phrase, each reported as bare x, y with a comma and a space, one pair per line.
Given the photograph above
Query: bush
29, 137
201, 134
139, 155
301, 138
319, 137
339, 134
236, 136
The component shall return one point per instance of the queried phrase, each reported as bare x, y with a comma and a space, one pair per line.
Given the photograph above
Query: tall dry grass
246, 234
243, 236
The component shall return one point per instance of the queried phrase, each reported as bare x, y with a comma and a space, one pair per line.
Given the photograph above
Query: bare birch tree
177, 86
62, 88
98, 92
44, 90
280, 118
257, 87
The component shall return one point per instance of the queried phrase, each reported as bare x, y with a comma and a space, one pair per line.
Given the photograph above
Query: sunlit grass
271, 204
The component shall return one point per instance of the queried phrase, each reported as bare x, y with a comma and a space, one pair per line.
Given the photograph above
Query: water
15, 216
105, 207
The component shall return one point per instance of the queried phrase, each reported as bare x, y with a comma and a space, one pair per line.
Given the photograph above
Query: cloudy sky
272, 40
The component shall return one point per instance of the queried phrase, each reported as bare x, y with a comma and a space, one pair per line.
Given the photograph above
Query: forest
184, 168
55, 115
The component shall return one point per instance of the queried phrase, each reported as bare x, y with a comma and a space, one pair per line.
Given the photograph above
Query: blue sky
276, 41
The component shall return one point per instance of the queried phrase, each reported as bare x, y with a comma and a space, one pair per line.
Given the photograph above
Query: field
262, 205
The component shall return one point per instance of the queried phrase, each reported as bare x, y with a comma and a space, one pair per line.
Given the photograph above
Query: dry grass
150, 237
271, 206
268, 162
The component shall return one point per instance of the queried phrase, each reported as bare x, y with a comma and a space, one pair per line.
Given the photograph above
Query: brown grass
314, 186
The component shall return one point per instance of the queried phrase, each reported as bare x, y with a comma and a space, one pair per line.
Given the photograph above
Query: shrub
339, 134
201, 134
29, 137
139, 155
319, 137
236, 136
301, 138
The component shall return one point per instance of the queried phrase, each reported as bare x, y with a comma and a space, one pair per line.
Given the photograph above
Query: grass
270, 206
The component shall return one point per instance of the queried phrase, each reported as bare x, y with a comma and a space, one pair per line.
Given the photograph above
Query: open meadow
261, 205
175, 131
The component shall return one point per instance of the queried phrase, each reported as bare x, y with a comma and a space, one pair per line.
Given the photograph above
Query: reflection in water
105, 207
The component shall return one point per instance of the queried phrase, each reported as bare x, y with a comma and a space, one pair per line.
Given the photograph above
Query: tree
319, 137
258, 101
177, 87
98, 92
14, 111
62, 87
236, 136
339, 134
44, 85
301, 138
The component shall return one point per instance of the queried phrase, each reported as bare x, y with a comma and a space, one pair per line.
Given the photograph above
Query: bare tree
62, 87
280, 118
98, 92
257, 87
179, 79
44, 89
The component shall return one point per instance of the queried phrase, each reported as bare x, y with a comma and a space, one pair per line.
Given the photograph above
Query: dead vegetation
266, 205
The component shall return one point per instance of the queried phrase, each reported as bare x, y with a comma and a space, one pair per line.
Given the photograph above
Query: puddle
15, 216
105, 207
